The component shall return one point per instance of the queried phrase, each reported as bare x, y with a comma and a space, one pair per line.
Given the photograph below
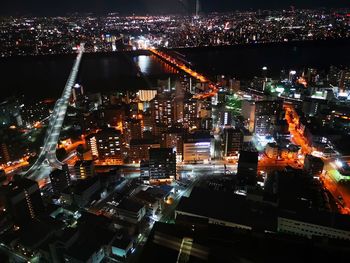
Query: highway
47, 159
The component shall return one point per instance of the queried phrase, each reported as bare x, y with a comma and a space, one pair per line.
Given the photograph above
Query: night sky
57, 7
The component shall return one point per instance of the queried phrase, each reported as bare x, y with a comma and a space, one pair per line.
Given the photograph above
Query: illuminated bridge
213, 89
47, 159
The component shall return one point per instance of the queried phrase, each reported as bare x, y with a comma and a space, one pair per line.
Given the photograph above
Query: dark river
45, 76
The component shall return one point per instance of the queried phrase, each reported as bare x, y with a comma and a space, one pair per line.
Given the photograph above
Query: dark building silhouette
60, 179
313, 165
161, 165
247, 168
23, 200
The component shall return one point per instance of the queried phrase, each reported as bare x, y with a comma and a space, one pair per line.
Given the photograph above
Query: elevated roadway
47, 159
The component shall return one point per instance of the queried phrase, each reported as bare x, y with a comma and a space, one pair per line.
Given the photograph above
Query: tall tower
197, 7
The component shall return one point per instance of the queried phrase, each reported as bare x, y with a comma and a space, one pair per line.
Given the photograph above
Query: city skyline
143, 7
198, 136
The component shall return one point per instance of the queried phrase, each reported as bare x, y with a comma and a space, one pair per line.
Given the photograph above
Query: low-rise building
130, 210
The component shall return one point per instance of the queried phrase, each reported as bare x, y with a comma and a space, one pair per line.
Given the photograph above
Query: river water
45, 76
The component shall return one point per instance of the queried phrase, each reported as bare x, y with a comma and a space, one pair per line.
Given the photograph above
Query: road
47, 158
336, 188
339, 191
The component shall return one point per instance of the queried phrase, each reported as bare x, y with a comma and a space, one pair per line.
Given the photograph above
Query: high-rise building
77, 92
266, 115
4, 153
161, 166
132, 129
233, 141
60, 179
23, 200
190, 114
344, 81
226, 118
173, 139
162, 110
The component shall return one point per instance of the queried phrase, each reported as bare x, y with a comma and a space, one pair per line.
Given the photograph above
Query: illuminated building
266, 115
173, 138
147, 95
162, 110
344, 82
139, 149
23, 200
83, 169
198, 148
226, 118
161, 166
106, 144
133, 129
60, 179
77, 92
190, 114
233, 141
262, 116
248, 113
312, 224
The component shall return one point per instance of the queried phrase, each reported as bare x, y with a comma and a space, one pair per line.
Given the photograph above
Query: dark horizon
142, 7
